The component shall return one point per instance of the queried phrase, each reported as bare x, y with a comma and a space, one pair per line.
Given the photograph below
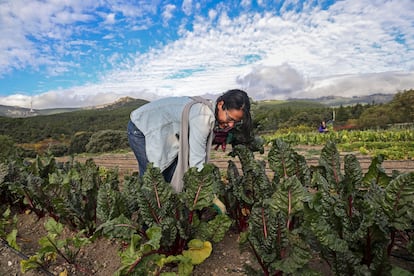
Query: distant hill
332, 101
26, 129
335, 101
121, 102
21, 112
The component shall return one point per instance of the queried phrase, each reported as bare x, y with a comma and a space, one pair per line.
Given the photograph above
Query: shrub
58, 149
107, 140
78, 142
27, 153
7, 147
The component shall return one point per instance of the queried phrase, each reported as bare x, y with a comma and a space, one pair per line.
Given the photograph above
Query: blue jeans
136, 141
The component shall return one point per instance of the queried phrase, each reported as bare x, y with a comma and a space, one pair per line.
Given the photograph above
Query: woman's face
227, 118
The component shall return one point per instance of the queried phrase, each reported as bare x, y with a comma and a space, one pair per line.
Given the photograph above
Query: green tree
301, 118
356, 110
374, 117
285, 114
402, 107
107, 140
342, 114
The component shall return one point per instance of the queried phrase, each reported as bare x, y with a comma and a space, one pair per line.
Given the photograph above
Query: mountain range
331, 101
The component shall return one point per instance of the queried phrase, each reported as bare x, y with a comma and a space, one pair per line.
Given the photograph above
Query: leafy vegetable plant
165, 227
8, 228
66, 192
51, 246
355, 217
349, 218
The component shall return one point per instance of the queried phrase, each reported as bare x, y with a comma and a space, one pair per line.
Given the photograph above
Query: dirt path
126, 162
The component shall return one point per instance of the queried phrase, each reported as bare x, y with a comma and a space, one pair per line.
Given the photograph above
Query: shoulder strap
183, 153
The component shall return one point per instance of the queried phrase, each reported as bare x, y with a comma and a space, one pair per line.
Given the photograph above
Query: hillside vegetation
65, 125
270, 116
104, 129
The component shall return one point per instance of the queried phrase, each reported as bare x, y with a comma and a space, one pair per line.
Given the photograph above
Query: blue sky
87, 52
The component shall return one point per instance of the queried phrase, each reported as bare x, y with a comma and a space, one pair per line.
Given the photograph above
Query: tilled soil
126, 162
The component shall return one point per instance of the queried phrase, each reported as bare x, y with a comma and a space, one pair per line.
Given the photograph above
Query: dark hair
238, 99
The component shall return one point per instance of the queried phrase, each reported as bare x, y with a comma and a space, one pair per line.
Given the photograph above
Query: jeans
136, 141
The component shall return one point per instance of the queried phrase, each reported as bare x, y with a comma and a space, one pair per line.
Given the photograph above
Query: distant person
323, 128
176, 133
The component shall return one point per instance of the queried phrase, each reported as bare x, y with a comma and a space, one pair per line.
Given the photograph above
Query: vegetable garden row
394, 144
349, 218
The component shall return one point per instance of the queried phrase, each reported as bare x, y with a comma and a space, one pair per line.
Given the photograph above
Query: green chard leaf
399, 201
156, 199
330, 160
200, 187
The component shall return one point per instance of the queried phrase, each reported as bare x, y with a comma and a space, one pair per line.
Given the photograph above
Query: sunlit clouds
86, 53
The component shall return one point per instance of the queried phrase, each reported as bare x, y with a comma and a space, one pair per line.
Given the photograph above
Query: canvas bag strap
183, 154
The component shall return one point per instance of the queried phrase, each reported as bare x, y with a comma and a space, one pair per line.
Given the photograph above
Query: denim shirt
160, 122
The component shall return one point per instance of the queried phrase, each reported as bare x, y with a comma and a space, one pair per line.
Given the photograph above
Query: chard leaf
285, 162
254, 185
110, 203
47, 246
396, 270
200, 187
288, 197
11, 239
53, 227
297, 256
154, 237
198, 251
185, 267
119, 227
353, 174
330, 160
233, 175
141, 257
32, 263
131, 188
169, 232
266, 232
376, 174
398, 201
215, 229
155, 200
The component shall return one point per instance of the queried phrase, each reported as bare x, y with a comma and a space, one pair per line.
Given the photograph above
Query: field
101, 257
126, 162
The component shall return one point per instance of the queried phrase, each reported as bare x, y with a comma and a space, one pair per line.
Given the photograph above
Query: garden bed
102, 256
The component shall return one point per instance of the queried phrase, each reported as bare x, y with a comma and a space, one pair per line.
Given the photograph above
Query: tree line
100, 130
271, 116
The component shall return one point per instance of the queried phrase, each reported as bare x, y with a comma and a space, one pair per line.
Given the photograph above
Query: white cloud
27, 25
110, 19
245, 3
359, 85
167, 14
277, 82
187, 7
355, 47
